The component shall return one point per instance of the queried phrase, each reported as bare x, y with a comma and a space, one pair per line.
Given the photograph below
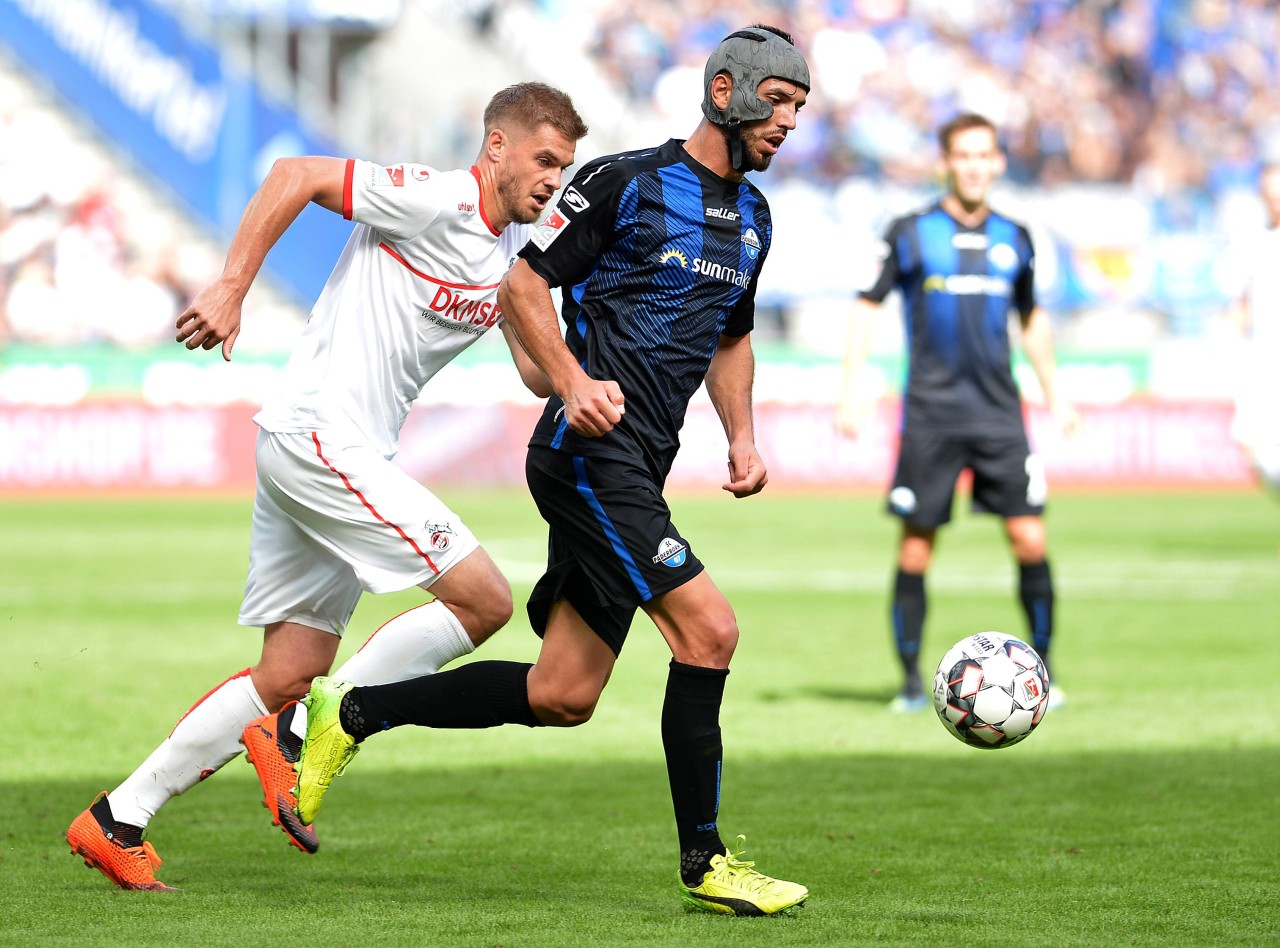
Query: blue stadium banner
166, 99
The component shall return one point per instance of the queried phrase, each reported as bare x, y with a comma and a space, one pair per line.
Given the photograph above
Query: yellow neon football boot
327, 748
733, 887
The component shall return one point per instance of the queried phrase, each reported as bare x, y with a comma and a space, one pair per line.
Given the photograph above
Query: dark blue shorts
611, 544
1008, 479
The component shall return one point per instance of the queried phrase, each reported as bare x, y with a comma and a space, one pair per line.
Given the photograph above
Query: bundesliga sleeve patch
380, 177
546, 232
394, 176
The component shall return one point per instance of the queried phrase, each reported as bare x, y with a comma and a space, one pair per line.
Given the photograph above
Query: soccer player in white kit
415, 285
1256, 425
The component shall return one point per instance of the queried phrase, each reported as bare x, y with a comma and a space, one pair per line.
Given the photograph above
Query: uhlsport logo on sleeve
671, 552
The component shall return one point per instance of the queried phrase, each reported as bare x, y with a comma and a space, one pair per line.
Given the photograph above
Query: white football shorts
333, 517
1256, 423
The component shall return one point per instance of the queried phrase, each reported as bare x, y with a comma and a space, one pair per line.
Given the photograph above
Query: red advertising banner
125, 446
130, 446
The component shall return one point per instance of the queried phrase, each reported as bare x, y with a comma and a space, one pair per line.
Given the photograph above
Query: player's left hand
747, 474
1067, 418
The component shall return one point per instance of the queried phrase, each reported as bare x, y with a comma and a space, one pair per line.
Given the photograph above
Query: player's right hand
592, 407
852, 416
213, 318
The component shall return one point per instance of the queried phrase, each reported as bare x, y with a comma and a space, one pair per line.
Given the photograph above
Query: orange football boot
129, 867
267, 745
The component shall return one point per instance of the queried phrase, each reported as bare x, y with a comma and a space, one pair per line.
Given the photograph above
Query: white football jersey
415, 285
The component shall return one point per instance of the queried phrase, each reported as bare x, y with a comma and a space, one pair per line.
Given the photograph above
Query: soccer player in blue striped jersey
657, 254
961, 269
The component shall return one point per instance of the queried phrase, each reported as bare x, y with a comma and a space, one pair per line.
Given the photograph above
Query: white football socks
206, 738
414, 643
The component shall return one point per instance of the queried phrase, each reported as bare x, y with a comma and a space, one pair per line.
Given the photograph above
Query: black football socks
909, 606
1035, 589
691, 740
477, 695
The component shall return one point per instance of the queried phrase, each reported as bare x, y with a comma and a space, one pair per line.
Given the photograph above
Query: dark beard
752, 160
756, 161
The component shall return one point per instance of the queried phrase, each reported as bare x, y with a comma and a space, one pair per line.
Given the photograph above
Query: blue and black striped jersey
656, 257
958, 286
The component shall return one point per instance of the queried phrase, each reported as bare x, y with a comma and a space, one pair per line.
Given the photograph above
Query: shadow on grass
1147, 848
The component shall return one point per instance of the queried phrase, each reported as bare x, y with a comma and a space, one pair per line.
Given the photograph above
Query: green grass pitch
1141, 813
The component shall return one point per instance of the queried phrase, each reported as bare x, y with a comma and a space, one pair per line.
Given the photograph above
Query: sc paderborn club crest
671, 552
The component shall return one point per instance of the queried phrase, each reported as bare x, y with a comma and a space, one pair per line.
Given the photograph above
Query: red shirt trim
418, 273
346, 187
484, 216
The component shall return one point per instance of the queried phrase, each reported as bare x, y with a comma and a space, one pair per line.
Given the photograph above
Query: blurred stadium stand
133, 131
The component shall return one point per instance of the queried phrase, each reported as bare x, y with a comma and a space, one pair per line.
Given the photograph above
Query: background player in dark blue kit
658, 253
961, 268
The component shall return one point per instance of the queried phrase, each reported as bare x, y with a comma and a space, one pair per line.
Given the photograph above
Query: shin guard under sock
481, 694
909, 607
694, 751
1035, 590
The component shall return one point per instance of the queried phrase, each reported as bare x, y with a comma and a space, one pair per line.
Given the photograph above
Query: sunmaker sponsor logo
706, 268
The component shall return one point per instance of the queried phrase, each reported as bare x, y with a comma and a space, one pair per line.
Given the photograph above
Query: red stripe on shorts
368, 506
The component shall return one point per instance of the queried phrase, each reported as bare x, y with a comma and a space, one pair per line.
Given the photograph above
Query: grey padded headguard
750, 57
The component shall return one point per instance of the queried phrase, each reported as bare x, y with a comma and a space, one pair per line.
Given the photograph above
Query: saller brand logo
723, 213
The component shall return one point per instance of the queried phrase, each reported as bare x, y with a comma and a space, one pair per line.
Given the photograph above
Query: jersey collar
484, 215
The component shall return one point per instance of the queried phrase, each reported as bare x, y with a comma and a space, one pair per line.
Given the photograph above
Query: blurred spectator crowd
1135, 130
86, 255
1165, 95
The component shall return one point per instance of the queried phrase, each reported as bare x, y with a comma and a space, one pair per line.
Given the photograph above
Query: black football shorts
611, 545
1008, 479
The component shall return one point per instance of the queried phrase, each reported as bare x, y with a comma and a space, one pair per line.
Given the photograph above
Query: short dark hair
530, 105
962, 123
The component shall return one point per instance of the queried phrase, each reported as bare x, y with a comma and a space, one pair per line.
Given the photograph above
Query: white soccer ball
991, 690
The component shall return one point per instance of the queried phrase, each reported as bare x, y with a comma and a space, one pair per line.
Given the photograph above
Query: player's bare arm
1037, 342
591, 406
213, 317
854, 407
729, 381
535, 380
